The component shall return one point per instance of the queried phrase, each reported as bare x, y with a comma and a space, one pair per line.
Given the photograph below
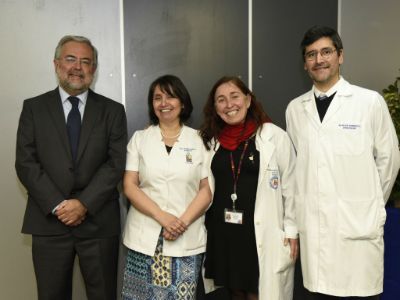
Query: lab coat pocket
361, 219
282, 258
196, 235
348, 141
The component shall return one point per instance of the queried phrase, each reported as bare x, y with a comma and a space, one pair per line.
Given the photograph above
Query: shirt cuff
55, 208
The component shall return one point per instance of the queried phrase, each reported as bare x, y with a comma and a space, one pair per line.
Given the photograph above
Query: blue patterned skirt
160, 277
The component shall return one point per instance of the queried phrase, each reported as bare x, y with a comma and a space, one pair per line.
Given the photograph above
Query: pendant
234, 197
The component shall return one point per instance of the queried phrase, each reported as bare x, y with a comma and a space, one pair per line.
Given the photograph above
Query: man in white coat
347, 162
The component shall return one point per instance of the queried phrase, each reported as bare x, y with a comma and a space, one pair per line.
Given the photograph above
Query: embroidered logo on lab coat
274, 179
188, 154
189, 158
274, 182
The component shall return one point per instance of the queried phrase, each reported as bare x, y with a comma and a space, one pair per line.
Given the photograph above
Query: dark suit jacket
45, 167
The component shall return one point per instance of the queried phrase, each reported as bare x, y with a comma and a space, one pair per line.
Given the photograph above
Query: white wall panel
29, 33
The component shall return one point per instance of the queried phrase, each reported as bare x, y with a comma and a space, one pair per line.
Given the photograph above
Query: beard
72, 86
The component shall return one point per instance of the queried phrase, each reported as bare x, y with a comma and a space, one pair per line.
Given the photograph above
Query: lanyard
236, 174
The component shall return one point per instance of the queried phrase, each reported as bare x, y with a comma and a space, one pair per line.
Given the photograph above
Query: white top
172, 181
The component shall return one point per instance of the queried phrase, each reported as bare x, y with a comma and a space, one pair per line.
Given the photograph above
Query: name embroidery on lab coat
188, 156
349, 126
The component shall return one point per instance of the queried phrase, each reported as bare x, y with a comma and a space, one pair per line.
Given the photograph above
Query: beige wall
370, 31
29, 32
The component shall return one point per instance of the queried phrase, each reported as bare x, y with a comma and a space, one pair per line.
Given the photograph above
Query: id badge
233, 216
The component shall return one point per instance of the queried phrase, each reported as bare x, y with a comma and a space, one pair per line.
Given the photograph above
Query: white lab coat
274, 213
172, 181
345, 169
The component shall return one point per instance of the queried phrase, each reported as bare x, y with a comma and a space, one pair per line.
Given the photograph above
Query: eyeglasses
325, 53
71, 60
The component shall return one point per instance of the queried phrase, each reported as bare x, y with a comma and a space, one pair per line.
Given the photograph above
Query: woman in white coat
251, 231
166, 183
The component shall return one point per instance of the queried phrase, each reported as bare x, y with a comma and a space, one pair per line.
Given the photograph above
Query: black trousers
53, 261
317, 296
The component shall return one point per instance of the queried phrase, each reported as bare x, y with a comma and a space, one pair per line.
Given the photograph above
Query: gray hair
79, 39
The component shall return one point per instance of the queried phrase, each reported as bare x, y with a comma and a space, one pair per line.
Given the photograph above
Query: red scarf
232, 135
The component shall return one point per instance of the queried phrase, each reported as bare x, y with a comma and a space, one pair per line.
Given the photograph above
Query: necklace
170, 137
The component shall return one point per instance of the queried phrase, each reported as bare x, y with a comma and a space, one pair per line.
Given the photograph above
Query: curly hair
212, 123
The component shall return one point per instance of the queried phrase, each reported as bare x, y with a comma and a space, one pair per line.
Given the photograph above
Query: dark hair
316, 32
213, 124
174, 87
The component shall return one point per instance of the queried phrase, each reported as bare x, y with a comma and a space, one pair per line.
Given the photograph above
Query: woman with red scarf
251, 231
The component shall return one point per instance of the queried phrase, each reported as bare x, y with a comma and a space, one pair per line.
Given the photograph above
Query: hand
172, 236
294, 247
168, 236
71, 212
173, 225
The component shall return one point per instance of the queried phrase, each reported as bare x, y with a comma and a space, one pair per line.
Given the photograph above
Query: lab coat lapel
263, 141
310, 109
338, 100
333, 108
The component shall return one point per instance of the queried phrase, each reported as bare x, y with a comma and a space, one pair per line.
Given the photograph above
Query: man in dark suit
70, 156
